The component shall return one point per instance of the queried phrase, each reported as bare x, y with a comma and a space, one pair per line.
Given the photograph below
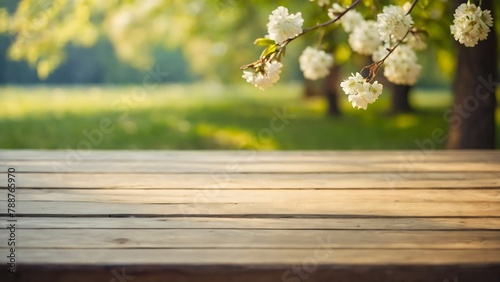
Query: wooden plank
252, 273
183, 196
250, 239
231, 180
252, 257
253, 156
261, 223
299, 209
253, 167
221, 211
263, 272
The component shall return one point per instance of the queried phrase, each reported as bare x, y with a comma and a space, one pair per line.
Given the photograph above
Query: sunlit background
165, 75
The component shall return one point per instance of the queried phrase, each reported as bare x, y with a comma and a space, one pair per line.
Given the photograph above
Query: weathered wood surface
235, 180
253, 216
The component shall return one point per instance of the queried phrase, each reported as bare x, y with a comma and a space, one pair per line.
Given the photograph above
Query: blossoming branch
390, 39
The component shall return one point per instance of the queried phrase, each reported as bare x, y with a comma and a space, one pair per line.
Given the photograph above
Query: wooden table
118, 216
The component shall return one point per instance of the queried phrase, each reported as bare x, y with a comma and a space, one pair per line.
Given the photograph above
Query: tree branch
307, 30
412, 6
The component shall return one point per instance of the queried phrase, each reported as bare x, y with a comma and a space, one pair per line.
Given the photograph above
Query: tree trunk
309, 89
472, 117
400, 99
326, 87
331, 91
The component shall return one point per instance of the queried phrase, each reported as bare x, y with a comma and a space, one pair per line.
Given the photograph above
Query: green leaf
269, 50
264, 42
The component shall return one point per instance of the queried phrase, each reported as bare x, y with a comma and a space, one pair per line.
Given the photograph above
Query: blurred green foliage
93, 65
208, 38
209, 116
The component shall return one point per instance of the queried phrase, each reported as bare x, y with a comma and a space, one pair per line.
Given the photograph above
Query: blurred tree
400, 102
331, 85
472, 119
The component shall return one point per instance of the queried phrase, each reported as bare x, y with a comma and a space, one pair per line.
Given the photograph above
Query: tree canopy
213, 34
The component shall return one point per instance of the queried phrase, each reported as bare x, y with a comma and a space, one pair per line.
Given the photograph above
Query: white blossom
265, 78
359, 92
471, 24
393, 23
416, 41
353, 84
405, 73
314, 63
322, 3
283, 26
401, 67
335, 10
364, 38
380, 53
350, 20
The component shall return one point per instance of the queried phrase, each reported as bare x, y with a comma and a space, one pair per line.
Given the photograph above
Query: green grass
206, 116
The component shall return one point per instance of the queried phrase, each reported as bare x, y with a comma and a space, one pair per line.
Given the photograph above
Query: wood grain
292, 209
253, 156
437, 223
254, 216
248, 257
215, 196
251, 239
246, 167
231, 180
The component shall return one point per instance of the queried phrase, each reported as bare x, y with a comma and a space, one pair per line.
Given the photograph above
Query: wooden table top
250, 216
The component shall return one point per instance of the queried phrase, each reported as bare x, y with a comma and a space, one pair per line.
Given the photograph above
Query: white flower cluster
393, 23
376, 38
401, 67
266, 77
314, 63
283, 26
416, 41
322, 3
471, 24
349, 20
360, 92
363, 35
367, 37
364, 38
